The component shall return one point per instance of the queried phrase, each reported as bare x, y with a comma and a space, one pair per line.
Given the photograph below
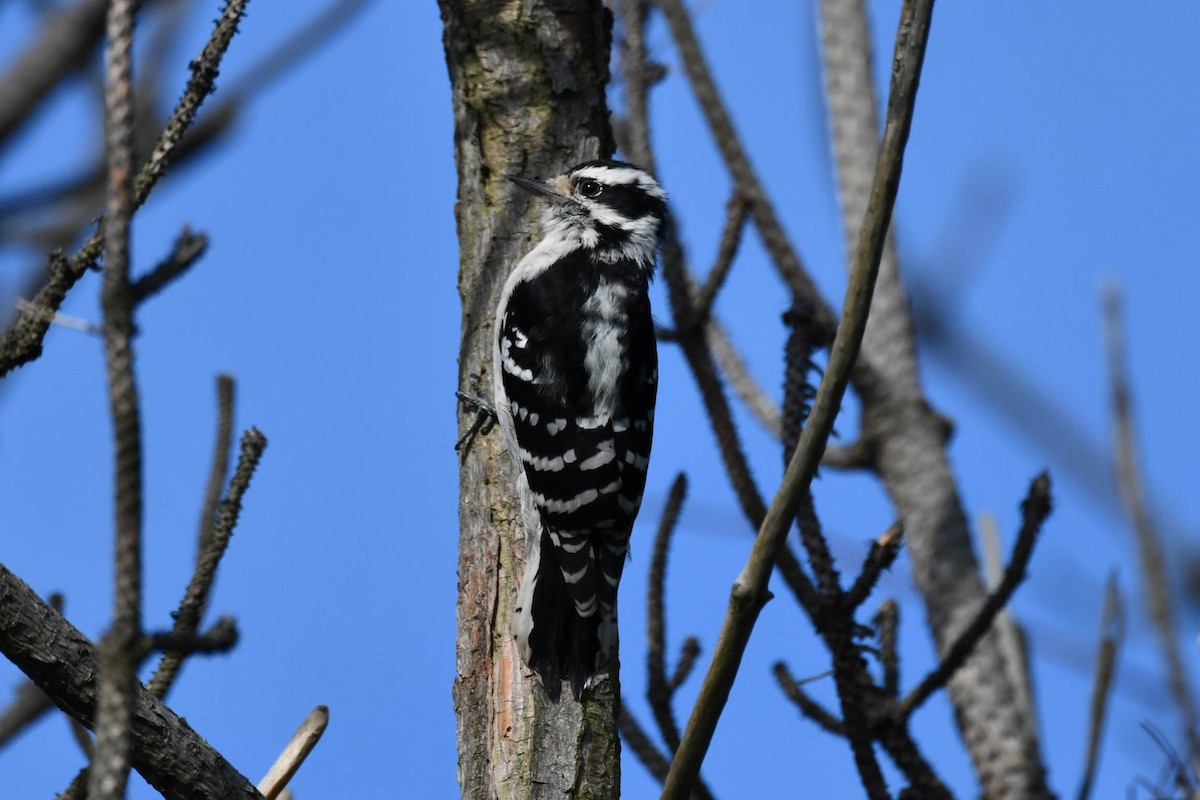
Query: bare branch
887, 626
65, 43
22, 342
745, 180
298, 747
1035, 509
748, 595
764, 408
1156, 582
109, 770
1112, 635
736, 212
28, 706
810, 708
220, 638
187, 250
222, 448
195, 599
172, 757
1009, 636
681, 289
880, 558
659, 692
651, 757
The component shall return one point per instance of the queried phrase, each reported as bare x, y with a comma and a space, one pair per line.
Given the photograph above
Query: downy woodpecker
575, 376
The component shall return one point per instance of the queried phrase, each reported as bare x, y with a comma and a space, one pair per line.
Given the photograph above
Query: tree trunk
528, 81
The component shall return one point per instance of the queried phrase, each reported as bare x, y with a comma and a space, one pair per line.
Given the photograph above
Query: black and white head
614, 210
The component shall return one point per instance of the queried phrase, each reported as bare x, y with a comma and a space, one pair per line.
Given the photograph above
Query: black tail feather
563, 646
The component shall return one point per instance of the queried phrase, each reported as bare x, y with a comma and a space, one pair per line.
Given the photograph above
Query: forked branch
748, 593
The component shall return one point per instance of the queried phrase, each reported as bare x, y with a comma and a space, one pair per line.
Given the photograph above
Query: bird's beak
540, 189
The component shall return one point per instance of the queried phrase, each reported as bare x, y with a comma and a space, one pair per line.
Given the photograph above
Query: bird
575, 380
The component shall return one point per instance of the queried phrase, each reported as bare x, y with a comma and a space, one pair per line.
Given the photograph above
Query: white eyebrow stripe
617, 176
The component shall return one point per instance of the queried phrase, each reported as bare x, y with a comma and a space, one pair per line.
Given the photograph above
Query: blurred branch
887, 626
748, 594
22, 341
659, 691
652, 758
1112, 635
736, 211
809, 707
746, 182
1034, 510
219, 466
905, 439
681, 290
764, 408
1009, 634
1156, 582
880, 558
28, 705
64, 44
188, 248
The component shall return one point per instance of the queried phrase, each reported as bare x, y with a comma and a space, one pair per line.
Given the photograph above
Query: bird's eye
590, 188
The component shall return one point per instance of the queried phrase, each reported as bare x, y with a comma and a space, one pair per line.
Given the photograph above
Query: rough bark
528, 81
908, 440
172, 757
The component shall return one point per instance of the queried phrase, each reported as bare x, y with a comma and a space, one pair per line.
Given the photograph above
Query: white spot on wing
566, 506
604, 454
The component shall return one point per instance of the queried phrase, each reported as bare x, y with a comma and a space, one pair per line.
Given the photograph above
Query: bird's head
615, 211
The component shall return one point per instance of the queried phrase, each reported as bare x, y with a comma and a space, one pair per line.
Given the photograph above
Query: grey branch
1156, 582
911, 458
172, 757
748, 593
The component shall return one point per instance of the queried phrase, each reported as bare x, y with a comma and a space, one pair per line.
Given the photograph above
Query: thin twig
1112, 634
647, 752
1156, 582
62, 320
1009, 635
28, 705
736, 212
681, 289
887, 627
187, 250
748, 592
1034, 510
62, 46
109, 770
195, 599
809, 707
22, 341
737, 161
689, 652
220, 638
761, 405
881, 557
298, 747
658, 691
219, 466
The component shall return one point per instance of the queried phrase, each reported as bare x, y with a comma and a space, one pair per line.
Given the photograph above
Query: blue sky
1053, 150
